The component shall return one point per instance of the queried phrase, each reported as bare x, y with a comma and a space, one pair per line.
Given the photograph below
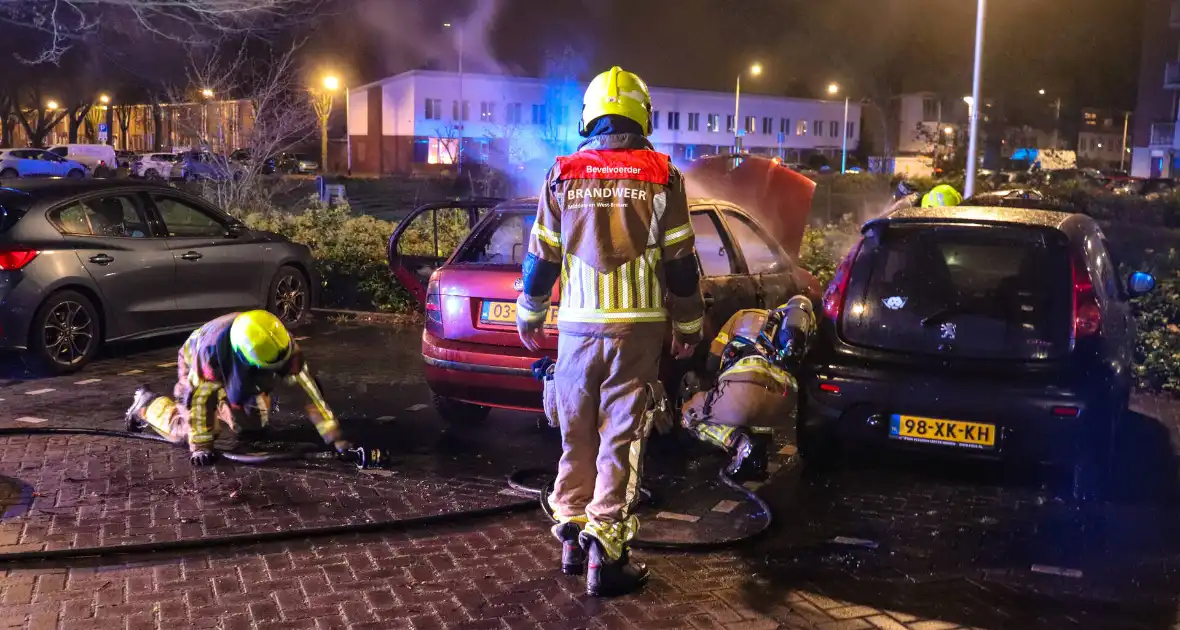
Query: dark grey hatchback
84, 262
994, 332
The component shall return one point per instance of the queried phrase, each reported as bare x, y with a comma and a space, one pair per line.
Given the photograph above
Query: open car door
427, 237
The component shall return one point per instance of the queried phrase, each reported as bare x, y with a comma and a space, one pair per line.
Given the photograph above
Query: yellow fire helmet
617, 92
261, 339
942, 195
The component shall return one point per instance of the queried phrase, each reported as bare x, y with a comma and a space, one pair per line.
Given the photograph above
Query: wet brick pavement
881, 543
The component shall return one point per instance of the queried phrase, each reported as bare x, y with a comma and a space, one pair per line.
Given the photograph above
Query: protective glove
202, 458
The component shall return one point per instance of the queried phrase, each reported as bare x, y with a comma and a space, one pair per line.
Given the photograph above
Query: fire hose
362, 458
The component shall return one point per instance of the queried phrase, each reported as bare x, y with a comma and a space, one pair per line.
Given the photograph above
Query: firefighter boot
134, 417
573, 558
750, 455
609, 578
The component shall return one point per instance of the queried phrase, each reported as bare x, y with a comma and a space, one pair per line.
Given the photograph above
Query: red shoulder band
640, 164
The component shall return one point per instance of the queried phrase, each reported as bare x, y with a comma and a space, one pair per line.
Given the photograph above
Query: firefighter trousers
195, 412
737, 406
602, 396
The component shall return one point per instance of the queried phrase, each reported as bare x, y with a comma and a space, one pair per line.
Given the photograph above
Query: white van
99, 158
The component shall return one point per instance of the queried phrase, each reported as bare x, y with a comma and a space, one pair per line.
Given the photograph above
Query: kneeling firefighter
226, 371
754, 391
613, 222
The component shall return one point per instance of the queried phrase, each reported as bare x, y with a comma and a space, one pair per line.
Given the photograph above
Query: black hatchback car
1000, 333
83, 262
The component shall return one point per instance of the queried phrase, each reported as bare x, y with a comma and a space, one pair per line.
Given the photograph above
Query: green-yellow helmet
942, 195
261, 339
617, 92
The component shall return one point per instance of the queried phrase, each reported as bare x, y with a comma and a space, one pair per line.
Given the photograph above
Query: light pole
973, 143
462, 118
110, 115
834, 89
755, 70
207, 94
1123, 153
322, 101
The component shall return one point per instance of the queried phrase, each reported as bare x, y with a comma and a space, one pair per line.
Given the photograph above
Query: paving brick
850, 612
884, 622
932, 625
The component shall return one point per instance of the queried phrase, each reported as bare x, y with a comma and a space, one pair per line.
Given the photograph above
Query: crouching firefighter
226, 371
613, 223
751, 387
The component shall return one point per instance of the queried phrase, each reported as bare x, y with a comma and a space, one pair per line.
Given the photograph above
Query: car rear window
986, 292
13, 206
501, 240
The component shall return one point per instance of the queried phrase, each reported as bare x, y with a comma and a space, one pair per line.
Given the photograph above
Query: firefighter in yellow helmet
226, 371
753, 390
613, 223
942, 195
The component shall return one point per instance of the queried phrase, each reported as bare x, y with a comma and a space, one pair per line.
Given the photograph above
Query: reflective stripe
758, 365
601, 316
202, 428
722, 339
613, 536
677, 234
327, 421
527, 314
547, 236
721, 435
689, 328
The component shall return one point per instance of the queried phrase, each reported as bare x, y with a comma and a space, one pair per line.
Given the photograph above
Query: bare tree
60, 24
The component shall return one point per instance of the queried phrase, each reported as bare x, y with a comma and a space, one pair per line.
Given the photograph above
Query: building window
784, 126
560, 113
818, 129
538, 114
750, 124
729, 124
442, 151
1091, 119
515, 113
930, 109
767, 126
801, 128
655, 119
834, 128
851, 130
694, 122
433, 109
455, 113
714, 121
673, 121
487, 111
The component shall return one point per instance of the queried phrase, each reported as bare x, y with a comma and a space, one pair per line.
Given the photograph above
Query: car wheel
819, 448
151, 173
9, 173
290, 296
75, 174
102, 171
457, 411
65, 334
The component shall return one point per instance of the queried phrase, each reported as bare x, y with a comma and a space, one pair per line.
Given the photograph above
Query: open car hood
779, 198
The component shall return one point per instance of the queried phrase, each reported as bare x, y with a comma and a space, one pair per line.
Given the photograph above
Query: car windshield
987, 292
502, 240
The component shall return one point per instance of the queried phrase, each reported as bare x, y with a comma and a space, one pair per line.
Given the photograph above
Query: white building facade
423, 118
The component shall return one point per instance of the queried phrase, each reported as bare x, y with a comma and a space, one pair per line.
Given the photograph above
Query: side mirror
1140, 283
235, 230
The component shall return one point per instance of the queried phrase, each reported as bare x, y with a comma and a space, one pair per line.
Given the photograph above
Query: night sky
1086, 51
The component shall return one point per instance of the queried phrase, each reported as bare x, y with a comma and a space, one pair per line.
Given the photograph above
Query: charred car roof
976, 214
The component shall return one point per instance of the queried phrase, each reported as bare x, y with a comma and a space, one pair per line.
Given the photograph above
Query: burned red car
463, 262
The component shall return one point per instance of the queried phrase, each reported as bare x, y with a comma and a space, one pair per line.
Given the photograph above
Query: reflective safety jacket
613, 219
752, 391
214, 369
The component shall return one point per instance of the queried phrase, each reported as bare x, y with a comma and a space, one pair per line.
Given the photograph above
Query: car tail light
829, 387
1087, 315
1066, 412
434, 322
16, 259
835, 294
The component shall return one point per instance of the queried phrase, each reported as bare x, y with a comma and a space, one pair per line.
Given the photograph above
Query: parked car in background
463, 262
1149, 188
125, 158
154, 165
296, 163
37, 163
86, 262
999, 333
100, 159
201, 165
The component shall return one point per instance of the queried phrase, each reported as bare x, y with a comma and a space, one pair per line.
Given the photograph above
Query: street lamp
977, 80
321, 100
51, 105
104, 99
835, 89
755, 70
331, 84
207, 93
462, 109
